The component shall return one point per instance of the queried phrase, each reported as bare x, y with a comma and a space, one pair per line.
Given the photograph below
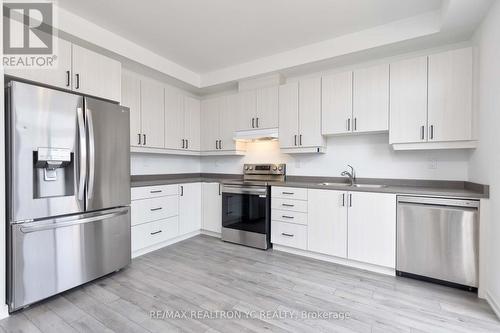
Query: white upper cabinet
228, 122
131, 98
80, 70
60, 76
95, 74
310, 113
192, 123
288, 115
266, 115
408, 101
174, 119
152, 114
336, 103
210, 119
371, 99
372, 228
246, 110
450, 96
327, 222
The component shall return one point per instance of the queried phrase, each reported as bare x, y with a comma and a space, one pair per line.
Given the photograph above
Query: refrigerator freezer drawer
438, 241
55, 255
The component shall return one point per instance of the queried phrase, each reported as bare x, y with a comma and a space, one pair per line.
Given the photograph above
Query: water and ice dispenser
53, 172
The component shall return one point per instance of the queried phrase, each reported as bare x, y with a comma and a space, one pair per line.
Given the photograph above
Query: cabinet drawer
289, 216
289, 193
289, 234
287, 204
147, 210
153, 191
152, 233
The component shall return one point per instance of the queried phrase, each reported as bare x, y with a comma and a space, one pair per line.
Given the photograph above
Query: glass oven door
245, 208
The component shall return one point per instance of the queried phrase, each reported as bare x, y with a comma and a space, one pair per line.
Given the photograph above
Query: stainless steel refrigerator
68, 191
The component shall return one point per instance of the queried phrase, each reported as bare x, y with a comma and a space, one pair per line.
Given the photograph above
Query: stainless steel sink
369, 185
355, 185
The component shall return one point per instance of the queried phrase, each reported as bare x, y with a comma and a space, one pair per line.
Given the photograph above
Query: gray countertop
399, 186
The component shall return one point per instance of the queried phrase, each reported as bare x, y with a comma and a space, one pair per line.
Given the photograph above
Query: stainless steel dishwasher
438, 240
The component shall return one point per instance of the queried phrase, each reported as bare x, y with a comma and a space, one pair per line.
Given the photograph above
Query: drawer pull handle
156, 232
288, 193
155, 209
287, 235
156, 191
287, 205
287, 217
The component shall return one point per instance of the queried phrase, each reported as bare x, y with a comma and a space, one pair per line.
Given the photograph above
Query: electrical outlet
433, 165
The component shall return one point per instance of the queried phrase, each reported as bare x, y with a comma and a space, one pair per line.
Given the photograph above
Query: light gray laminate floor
205, 274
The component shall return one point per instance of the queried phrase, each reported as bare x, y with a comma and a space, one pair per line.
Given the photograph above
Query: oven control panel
264, 169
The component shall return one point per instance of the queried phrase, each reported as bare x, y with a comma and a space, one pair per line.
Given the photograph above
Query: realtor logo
28, 34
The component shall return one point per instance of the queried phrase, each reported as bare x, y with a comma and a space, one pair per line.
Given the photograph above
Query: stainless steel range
246, 205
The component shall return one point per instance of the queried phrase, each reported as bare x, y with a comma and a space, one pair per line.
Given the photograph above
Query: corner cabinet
300, 116
182, 121
189, 208
431, 102
258, 109
80, 70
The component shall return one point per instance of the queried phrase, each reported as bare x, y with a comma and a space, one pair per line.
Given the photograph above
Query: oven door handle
243, 190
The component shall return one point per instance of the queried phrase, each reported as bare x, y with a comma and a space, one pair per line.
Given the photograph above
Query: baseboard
493, 303
337, 260
158, 246
211, 233
4, 311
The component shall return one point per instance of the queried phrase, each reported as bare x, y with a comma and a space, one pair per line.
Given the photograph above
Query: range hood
256, 134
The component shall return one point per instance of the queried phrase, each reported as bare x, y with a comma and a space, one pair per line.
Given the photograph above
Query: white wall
149, 164
485, 161
371, 155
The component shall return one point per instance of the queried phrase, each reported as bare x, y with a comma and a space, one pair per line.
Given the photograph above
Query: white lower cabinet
372, 228
163, 214
211, 207
327, 227
351, 226
189, 207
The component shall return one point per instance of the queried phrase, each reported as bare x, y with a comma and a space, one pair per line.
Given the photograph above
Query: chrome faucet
351, 175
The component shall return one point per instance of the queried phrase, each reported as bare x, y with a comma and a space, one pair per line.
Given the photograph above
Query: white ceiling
207, 35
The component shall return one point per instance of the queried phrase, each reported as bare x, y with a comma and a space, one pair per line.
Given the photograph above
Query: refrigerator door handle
66, 222
90, 124
82, 159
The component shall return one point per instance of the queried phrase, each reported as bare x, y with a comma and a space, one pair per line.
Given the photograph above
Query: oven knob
246, 167
280, 168
275, 168
251, 168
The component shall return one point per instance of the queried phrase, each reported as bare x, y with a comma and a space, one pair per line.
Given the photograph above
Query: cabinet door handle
253, 122
68, 79
348, 124
156, 232
187, 143
422, 132
350, 199
183, 143
432, 132
220, 144
139, 135
287, 205
219, 189
343, 199
288, 193
216, 144
287, 235
155, 209
182, 190
355, 124
257, 122
287, 217
155, 191
144, 137
300, 140
295, 140
77, 81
